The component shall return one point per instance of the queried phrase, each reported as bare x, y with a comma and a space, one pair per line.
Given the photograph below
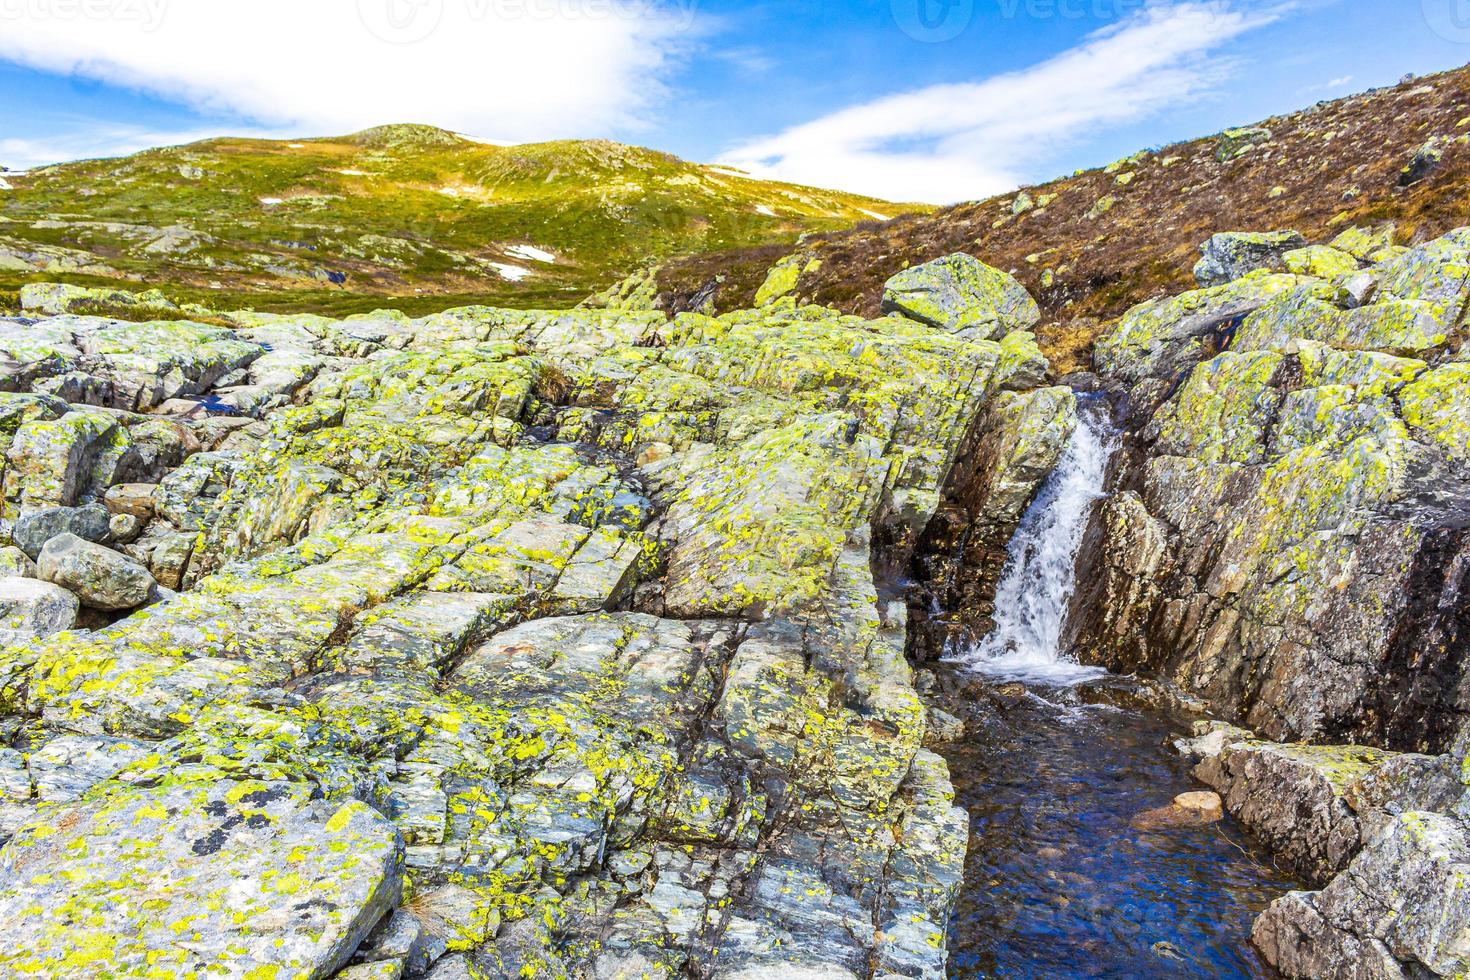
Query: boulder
1321, 261
100, 577
1187, 810
136, 499
1232, 254
1401, 909
31, 610
169, 560
207, 875
16, 563
781, 281
1161, 338
65, 461
1365, 244
90, 523
1235, 143
1425, 161
124, 529
959, 293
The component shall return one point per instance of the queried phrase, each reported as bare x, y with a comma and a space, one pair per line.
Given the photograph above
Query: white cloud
965, 141
512, 69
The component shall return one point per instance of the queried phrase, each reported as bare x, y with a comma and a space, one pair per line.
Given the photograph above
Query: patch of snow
514, 273
449, 191
296, 146
763, 209
5, 185
530, 252
271, 202
487, 141
875, 215
730, 172
354, 173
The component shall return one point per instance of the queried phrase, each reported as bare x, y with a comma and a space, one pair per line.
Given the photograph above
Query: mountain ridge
406, 212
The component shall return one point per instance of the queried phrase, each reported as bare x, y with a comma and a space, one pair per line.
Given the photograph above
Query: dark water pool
1058, 884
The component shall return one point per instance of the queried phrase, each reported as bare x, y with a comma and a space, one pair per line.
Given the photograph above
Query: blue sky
936, 100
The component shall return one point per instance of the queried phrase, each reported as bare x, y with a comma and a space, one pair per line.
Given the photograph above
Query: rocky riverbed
500, 643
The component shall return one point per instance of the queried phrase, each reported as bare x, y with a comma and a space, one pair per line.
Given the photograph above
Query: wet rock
943, 728
960, 293
1012, 451
1232, 254
1315, 805
1187, 810
101, 578
305, 881
32, 610
32, 531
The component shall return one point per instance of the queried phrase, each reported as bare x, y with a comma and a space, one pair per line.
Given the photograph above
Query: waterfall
1041, 573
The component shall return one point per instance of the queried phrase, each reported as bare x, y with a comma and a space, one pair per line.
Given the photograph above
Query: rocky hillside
1285, 540
498, 643
409, 212
1091, 245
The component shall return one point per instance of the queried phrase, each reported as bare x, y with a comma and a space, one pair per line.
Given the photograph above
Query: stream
1058, 762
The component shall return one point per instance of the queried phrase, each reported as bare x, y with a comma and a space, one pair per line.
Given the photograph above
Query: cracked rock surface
488, 644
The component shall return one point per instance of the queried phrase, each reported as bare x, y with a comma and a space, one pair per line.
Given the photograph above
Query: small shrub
140, 312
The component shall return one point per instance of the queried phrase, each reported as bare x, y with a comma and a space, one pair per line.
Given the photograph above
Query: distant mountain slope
1091, 245
406, 211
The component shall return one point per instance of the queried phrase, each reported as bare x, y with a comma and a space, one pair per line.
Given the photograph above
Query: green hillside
408, 212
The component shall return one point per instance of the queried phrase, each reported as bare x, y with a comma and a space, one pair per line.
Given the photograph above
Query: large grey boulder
31, 610
90, 523
1401, 909
1232, 254
208, 876
961, 293
100, 577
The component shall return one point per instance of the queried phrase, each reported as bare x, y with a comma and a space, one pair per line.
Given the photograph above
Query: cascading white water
1041, 573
